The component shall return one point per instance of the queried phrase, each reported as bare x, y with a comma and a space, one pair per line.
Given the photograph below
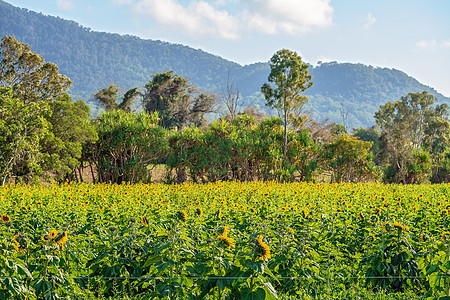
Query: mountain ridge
93, 60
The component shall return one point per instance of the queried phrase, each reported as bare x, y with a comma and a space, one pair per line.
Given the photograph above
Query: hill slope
93, 60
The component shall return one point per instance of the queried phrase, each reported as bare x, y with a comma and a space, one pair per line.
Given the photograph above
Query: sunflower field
225, 240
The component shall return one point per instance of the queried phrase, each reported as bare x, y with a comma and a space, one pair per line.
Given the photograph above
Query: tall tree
411, 128
41, 91
290, 77
177, 102
31, 78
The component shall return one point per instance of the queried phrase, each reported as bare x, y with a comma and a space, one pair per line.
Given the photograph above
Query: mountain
93, 60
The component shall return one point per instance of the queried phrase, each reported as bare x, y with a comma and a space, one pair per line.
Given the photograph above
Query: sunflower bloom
18, 243
225, 230
227, 241
53, 233
219, 213
262, 248
45, 238
377, 211
5, 218
400, 226
422, 237
304, 214
62, 239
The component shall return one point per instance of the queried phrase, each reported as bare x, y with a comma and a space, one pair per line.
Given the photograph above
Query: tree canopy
290, 78
412, 128
31, 78
177, 102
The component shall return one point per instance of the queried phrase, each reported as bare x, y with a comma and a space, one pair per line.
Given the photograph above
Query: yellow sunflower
227, 241
53, 233
5, 218
62, 239
262, 248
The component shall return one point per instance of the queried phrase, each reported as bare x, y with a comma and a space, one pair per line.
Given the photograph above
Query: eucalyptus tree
413, 132
290, 77
42, 128
26, 72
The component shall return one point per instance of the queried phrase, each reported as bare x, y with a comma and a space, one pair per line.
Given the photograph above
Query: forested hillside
93, 60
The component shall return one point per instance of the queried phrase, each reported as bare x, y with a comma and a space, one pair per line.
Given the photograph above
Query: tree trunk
285, 138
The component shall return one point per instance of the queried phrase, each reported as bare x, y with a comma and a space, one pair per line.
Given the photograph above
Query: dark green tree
290, 78
177, 102
348, 159
42, 92
70, 128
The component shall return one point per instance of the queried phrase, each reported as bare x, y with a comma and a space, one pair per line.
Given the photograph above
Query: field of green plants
225, 240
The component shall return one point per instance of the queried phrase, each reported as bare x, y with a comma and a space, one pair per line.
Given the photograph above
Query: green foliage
31, 79
412, 128
290, 76
348, 160
240, 150
225, 240
22, 127
177, 102
108, 98
70, 128
102, 58
373, 135
392, 265
128, 144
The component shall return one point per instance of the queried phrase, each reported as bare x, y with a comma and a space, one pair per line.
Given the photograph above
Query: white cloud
288, 16
65, 4
370, 20
432, 44
199, 17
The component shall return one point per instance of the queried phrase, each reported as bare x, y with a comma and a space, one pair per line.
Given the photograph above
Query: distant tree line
44, 135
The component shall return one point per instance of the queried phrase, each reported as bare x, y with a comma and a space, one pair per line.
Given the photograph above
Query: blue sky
409, 35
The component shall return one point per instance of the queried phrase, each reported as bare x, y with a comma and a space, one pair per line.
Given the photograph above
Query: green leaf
24, 271
51, 296
433, 268
259, 294
258, 266
42, 287
152, 260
